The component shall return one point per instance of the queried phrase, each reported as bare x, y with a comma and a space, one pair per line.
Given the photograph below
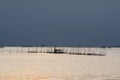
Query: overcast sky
60, 22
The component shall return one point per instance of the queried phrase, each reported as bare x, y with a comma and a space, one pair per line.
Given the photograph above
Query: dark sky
60, 22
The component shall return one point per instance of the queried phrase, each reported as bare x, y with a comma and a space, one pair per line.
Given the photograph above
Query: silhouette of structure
96, 51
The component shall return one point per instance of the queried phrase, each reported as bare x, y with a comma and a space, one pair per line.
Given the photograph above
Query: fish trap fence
57, 50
